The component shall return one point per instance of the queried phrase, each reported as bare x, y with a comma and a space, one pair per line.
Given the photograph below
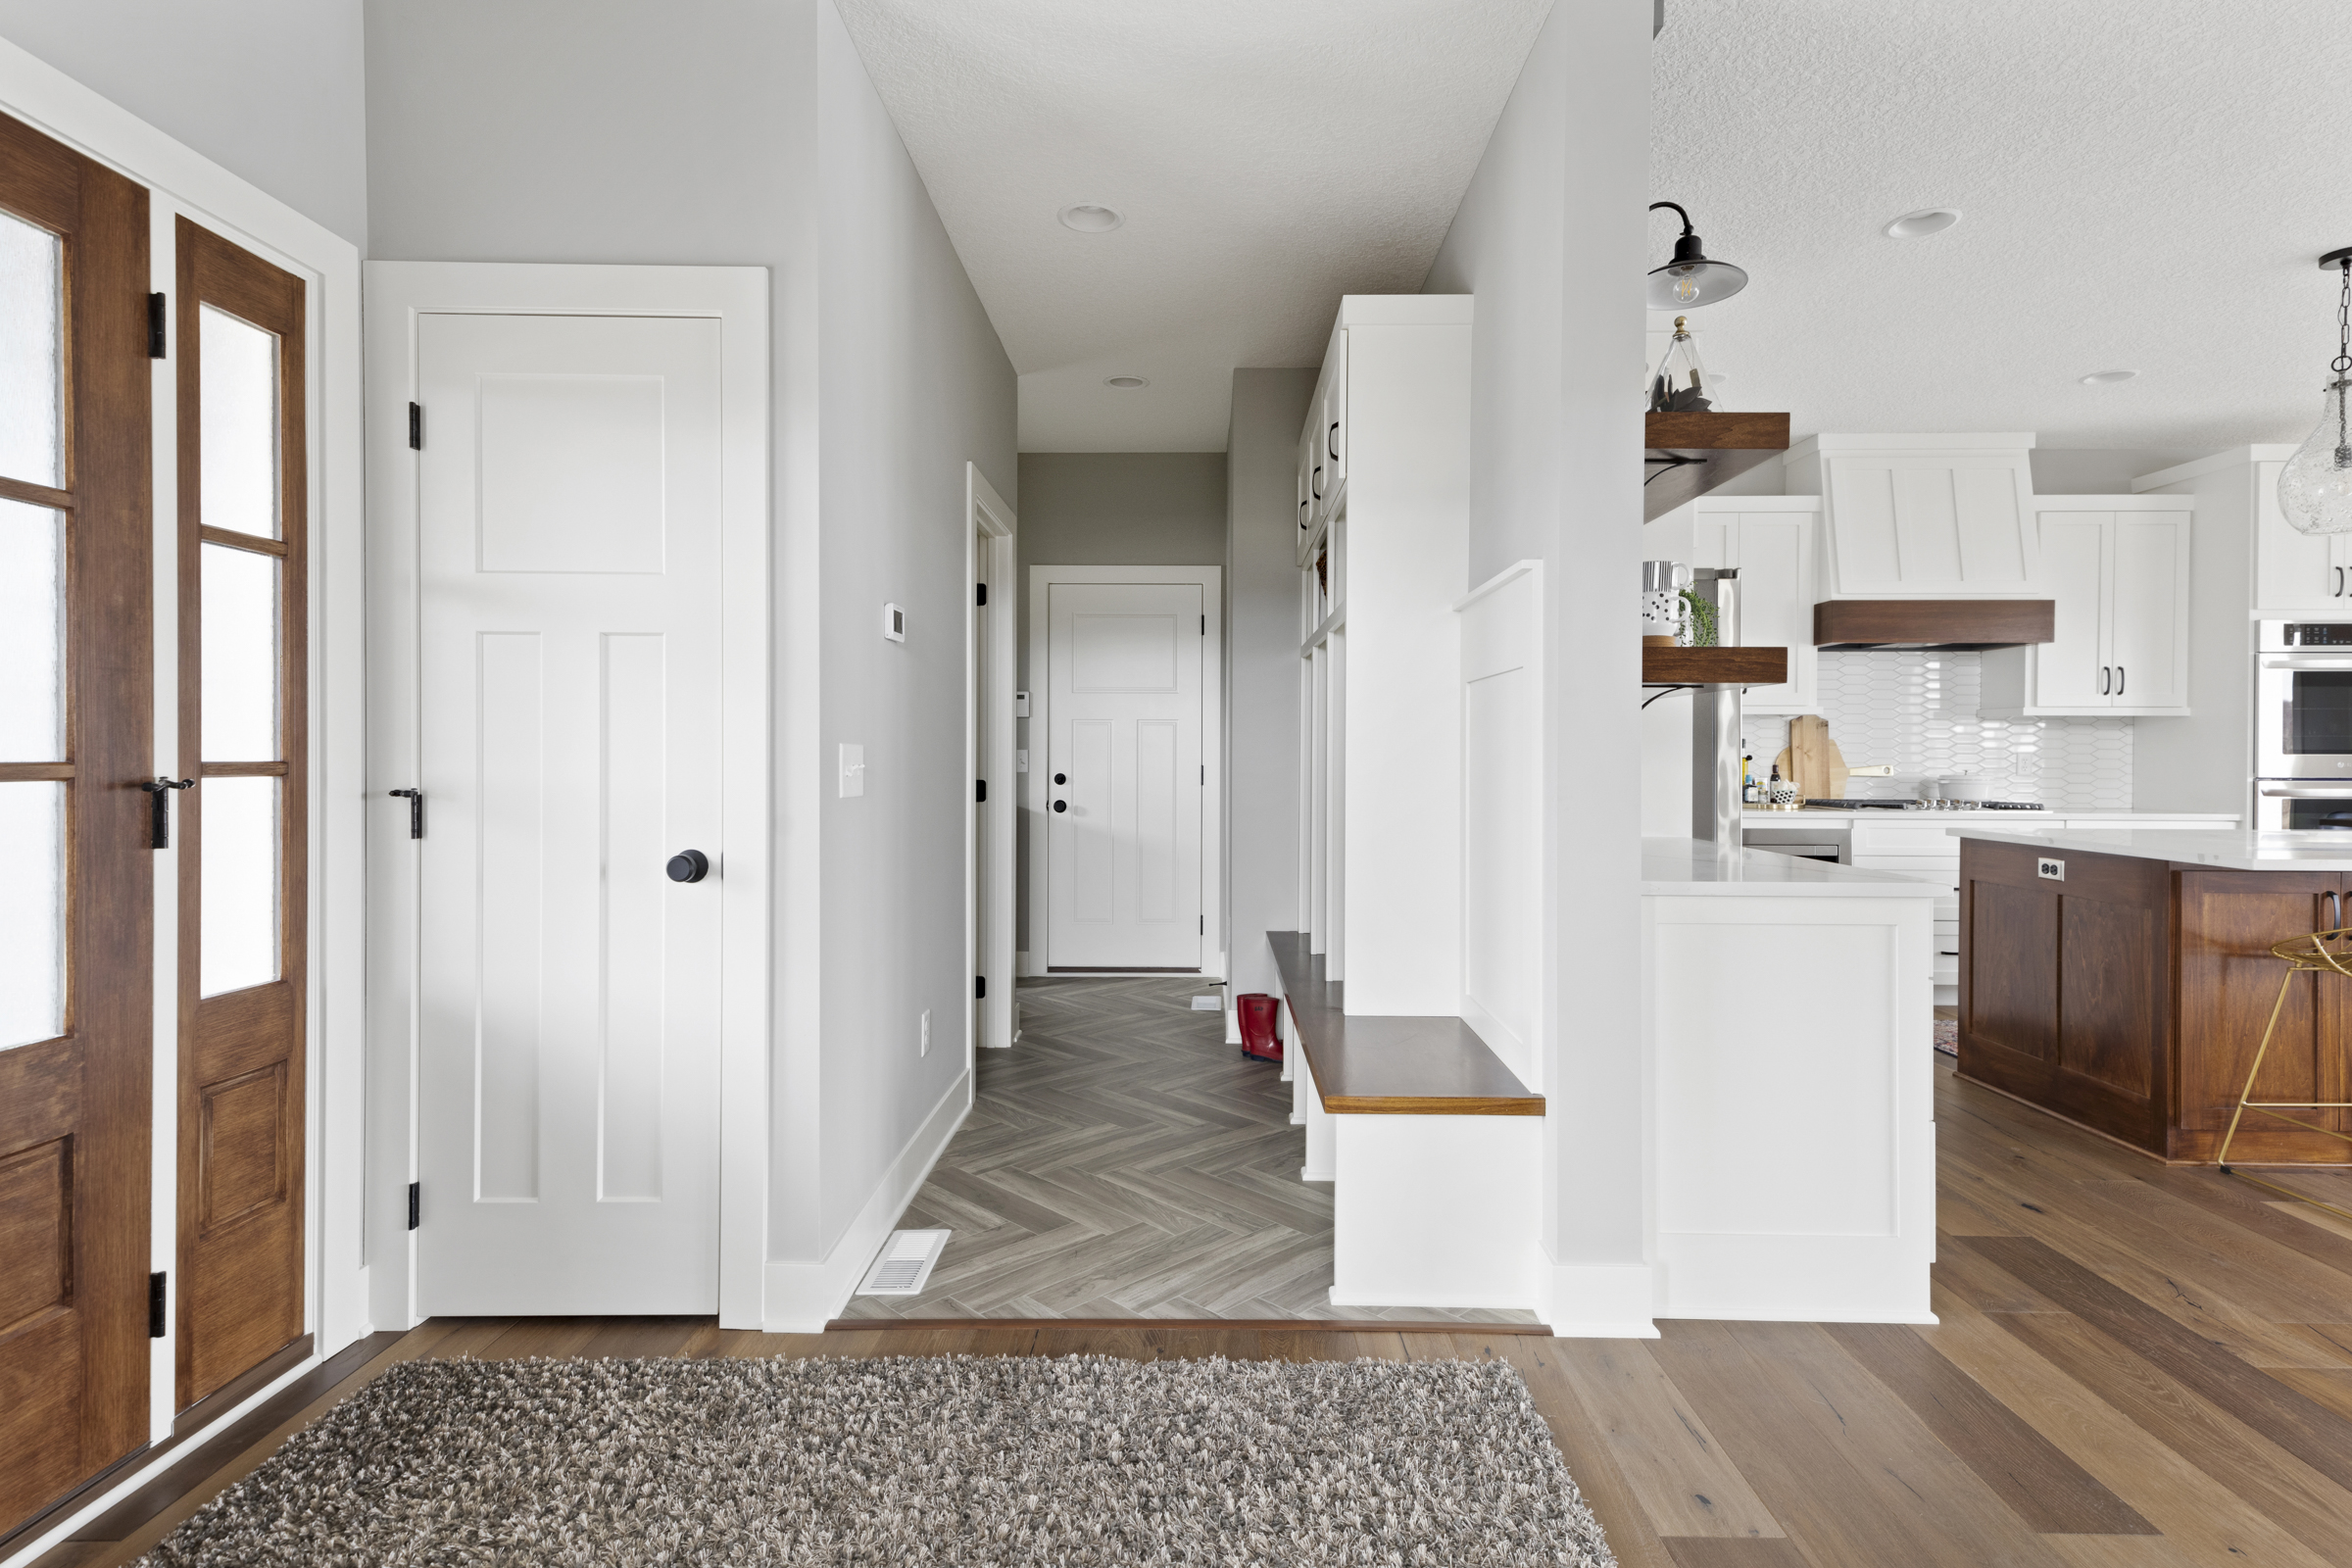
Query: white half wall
1502, 816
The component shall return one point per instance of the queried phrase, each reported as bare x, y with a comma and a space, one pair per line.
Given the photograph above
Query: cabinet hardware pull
2106, 679
2335, 910
2339, 582
1314, 485
1334, 443
2119, 680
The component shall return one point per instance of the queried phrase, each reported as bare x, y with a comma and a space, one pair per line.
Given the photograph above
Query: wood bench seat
1391, 1065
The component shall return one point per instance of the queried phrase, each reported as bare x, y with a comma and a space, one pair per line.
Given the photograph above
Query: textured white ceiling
2147, 184
1269, 155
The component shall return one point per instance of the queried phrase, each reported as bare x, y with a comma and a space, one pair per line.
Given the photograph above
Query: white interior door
1124, 762
568, 543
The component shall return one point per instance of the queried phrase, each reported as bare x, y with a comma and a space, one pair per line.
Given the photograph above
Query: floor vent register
905, 1267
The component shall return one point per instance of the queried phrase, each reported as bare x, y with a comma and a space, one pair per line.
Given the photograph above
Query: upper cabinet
1772, 540
1922, 517
1323, 446
2295, 570
2117, 568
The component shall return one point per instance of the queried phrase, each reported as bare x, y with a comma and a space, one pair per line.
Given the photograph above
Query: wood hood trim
1957, 625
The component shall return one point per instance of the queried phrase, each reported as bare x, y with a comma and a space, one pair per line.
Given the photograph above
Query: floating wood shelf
1688, 455
1714, 666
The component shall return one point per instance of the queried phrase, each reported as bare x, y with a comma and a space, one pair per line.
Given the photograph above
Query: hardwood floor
1121, 1160
2137, 1367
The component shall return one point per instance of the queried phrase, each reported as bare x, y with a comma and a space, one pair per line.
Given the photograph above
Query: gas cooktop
1923, 806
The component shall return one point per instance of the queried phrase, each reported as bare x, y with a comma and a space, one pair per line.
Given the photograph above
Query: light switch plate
894, 623
852, 770
1020, 705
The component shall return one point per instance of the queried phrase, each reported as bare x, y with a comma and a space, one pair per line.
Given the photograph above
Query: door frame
182, 182
398, 293
991, 840
1211, 580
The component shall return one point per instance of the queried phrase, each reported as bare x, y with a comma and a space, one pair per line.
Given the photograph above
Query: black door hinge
159, 795
982, 793
417, 427
416, 1203
155, 326
983, 593
416, 799
979, 986
156, 1296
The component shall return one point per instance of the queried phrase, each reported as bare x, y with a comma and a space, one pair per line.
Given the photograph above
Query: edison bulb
1686, 290
2314, 488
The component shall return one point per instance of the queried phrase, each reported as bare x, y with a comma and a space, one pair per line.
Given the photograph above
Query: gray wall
1262, 667
1550, 238
746, 132
272, 90
1111, 509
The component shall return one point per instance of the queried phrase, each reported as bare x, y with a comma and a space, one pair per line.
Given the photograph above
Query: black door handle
1061, 806
1314, 483
688, 865
416, 799
1062, 778
159, 795
1334, 443
2119, 680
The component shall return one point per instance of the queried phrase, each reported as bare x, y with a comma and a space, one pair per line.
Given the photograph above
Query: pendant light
1691, 280
2314, 488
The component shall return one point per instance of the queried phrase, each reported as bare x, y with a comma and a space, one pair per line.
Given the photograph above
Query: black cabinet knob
1062, 778
688, 865
1061, 806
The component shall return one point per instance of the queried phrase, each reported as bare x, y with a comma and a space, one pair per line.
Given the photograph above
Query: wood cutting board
1812, 761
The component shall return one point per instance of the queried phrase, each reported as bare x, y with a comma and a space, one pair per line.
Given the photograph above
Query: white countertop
1695, 866
2315, 850
1765, 816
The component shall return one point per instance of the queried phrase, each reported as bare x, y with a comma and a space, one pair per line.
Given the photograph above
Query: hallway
1124, 1161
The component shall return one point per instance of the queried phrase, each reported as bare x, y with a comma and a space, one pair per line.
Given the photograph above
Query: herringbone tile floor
1121, 1160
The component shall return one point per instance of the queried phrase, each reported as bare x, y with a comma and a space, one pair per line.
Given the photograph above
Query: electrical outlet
924, 1049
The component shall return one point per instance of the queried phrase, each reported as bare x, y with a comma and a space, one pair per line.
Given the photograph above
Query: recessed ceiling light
2108, 378
1125, 382
1087, 218
1920, 224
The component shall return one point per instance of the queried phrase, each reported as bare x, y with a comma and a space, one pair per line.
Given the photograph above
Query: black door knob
1061, 806
688, 865
1062, 778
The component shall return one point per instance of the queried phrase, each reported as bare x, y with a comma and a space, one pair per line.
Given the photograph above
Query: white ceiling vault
2146, 184
1269, 156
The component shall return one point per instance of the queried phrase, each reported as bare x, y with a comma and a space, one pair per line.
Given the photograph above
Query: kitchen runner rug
965, 1460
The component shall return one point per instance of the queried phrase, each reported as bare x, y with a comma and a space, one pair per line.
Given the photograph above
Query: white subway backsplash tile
1917, 712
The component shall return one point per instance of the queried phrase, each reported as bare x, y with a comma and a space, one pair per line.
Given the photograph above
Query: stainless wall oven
2280, 803
2303, 703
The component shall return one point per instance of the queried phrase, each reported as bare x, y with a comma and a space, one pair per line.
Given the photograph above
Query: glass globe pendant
2314, 488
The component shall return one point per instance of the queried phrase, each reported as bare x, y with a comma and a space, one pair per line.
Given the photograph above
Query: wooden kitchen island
2121, 980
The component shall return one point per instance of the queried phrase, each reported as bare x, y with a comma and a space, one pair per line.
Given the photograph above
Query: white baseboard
1598, 1301
803, 1298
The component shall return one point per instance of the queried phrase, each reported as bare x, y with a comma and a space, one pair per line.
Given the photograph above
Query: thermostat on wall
894, 623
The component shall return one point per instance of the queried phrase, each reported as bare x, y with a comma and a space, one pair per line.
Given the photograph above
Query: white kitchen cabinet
2295, 570
2117, 568
1323, 446
1771, 539
1922, 517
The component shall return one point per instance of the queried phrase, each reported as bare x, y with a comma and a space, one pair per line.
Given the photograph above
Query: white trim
1509, 576
398, 294
803, 1298
997, 821
1598, 1300
183, 182
1212, 754
2217, 462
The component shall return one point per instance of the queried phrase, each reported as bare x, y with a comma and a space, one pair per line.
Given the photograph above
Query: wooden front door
243, 902
77, 866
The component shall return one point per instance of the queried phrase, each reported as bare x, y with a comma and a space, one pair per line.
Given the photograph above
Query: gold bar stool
2307, 954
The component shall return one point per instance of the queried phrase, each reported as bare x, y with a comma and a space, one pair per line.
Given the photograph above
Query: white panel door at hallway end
568, 500
1126, 775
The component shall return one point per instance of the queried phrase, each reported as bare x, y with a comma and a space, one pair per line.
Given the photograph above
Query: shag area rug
963, 1461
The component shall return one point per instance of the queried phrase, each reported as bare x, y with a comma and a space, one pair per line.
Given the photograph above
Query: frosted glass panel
33, 633
238, 383
33, 913
240, 655
239, 939
32, 351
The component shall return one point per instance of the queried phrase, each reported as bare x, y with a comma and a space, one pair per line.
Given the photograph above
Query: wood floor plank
1833, 1501
2124, 1552
1678, 1473
2049, 1492
1720, 1551
2304, 1428
2208, 1517
2330, 1389
1589, 1463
